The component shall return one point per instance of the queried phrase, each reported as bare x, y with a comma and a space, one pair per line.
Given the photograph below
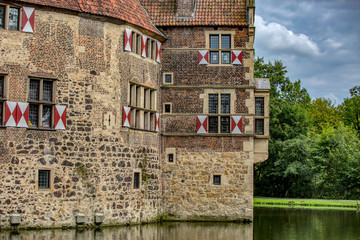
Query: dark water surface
269, 223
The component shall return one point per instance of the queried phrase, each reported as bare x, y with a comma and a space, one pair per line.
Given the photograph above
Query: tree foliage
314, 151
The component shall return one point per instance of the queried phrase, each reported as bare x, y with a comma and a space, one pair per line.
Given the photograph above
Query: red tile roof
208, 13
127, 10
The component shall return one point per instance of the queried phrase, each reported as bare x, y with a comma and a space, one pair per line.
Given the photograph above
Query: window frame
7, 17
220, 49
50, 180
170, 107
219, 115
142, 101
3, 98
136, 184
41, 103
165, 74
217, 180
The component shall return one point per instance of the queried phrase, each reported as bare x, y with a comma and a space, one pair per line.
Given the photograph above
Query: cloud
333, 98
332, 43
274, 37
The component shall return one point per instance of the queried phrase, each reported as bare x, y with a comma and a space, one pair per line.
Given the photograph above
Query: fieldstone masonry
92, 162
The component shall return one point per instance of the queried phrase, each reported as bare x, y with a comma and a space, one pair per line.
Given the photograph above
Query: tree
322, 113
350, 109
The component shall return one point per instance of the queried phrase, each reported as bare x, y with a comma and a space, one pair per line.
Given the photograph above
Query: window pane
44, 179
136, 180
1, 86
33, 115
225, 103
225, 41
214, 57
168, 78
34, 90
217, 180
225, 57
47, 91
213, 125
259, 106
171, 157
46, 116
259, 126
213, 103
167, 108
13, 19
2, 16
214, 41
225, 124
1, 113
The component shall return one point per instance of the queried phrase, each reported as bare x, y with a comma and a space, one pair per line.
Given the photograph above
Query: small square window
217, 179
136, 180
44, 179
167, 108
13, 18
214, 57
171, 157
168, 78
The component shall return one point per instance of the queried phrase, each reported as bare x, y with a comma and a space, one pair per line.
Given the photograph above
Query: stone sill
206, 135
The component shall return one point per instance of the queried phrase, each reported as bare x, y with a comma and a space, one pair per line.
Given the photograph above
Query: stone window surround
133, 179
167, 103
4, 97
170, 151
51, 180
136, 45
207, 45
164, 77
224, 179
7, 9
232, 94
142, 117
41, 103
266, 97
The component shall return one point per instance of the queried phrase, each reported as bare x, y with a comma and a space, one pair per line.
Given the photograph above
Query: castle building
128, 111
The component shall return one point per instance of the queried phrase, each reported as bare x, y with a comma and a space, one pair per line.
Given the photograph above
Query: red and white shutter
158, 51
203, 57
201, 124
60, 117
10, 114
28, 19
128, 40
144, 46
236, 57
22, 114
126, 116
157, 121
236, 124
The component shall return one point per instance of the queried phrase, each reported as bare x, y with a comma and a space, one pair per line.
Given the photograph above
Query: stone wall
93, 161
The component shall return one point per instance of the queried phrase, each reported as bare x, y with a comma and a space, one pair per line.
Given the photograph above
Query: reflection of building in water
128, 111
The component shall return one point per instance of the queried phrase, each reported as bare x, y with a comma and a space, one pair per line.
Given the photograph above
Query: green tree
350, 109
322, 112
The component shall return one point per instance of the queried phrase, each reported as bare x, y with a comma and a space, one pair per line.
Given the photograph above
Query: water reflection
165, 231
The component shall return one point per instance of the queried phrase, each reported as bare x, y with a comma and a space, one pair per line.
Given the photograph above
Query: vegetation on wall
314, 150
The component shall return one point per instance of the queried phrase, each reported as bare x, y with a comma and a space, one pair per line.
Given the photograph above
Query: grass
308, 203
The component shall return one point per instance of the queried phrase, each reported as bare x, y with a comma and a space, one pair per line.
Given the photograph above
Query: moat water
269, 223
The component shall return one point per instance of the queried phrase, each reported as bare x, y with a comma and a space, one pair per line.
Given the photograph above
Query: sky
317, 40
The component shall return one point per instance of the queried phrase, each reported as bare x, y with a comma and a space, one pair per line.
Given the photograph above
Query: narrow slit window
259, 106
171, 157
2, 16
136, 180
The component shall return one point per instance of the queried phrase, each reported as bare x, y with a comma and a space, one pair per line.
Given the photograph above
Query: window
143, 107
167, 108
9, 17
168, 78
219, 113
41, 103
217, 179
137, 48
44, 179
2, 99
171, 157
259, 112
136, 180
220, 48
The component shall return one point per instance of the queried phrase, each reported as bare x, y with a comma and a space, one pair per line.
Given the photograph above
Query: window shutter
10, 114
28, 19
157, 121
22, 114
60, 117
128, 40
126, 116
158, 51
201, 124
236, 57
203, 57
236, 124
144, 46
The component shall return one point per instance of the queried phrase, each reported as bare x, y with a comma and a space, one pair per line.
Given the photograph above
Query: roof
208, 12
127, 10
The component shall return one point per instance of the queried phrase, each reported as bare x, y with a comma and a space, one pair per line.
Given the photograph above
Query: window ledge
207, 134
41, 129
141, 129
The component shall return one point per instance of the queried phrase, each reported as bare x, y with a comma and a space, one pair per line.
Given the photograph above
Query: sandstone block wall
93, 161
